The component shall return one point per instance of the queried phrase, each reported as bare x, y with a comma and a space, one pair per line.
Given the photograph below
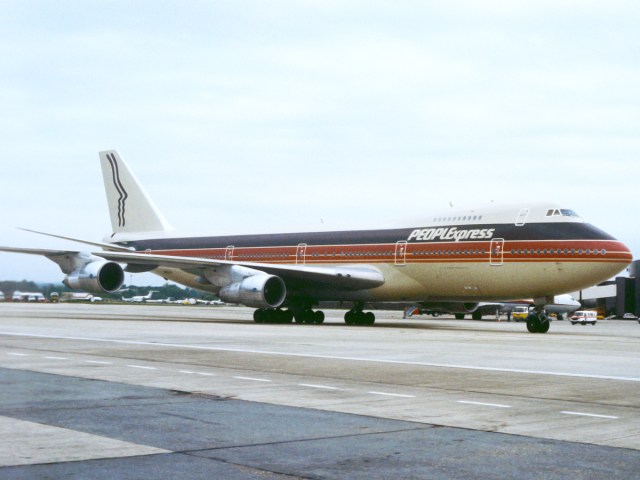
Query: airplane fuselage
491, 255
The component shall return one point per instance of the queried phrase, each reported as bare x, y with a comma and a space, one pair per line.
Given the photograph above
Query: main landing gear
309, 316
306, 315
356, 316
303, 313
263, 315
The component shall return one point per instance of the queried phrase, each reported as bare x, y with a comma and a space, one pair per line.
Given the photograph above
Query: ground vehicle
583, 317
520, 312
630, 316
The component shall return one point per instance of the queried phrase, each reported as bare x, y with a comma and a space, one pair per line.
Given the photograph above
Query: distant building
615, 297
19, 296
2, 296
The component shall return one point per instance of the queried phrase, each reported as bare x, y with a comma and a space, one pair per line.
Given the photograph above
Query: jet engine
96, 277
258, 291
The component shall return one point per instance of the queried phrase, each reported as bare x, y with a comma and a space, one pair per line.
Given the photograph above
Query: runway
418, 398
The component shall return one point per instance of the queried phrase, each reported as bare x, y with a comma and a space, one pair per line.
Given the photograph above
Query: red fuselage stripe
510, 251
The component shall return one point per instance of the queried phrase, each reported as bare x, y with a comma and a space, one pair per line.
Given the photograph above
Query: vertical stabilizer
131, 209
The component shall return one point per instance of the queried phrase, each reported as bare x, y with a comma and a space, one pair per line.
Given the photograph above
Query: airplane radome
455, 260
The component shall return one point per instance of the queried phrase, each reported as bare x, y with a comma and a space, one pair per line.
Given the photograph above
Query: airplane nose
615, 256
618, 252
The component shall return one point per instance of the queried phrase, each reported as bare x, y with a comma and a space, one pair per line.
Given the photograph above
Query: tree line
165, 291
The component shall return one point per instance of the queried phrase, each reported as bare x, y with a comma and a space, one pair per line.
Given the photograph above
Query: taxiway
139, 387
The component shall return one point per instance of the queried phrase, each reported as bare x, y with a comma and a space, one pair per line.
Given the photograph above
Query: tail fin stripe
131, 210
120, 188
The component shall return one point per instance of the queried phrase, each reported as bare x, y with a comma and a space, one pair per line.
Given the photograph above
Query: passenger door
301, 252
401, 253
496, 252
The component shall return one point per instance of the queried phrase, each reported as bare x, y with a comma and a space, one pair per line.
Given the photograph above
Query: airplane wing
344, 277
37, 251
105, 246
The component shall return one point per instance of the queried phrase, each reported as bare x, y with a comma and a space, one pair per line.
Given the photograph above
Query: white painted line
98, 362
482, 404
253, 379
17, 354
328, 357
56, 358
142, 367
197, 373
591, 415
325, 387
393, 394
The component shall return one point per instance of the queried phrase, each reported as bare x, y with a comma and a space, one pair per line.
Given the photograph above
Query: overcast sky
243, 116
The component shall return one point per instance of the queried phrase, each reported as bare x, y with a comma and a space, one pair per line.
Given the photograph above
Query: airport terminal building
615, 297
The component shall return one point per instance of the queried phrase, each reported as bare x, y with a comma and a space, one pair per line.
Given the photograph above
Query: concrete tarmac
154, 391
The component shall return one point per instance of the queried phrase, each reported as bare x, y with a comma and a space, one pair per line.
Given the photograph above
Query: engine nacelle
96, 277
259, 291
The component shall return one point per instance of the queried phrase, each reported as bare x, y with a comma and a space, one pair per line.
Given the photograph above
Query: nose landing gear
538, 322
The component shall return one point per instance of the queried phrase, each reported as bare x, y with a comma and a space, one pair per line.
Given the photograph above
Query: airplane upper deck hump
131, 209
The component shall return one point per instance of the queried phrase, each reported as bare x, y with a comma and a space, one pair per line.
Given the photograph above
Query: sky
251, 116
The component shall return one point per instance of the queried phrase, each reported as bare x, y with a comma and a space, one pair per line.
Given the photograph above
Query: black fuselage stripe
509, 232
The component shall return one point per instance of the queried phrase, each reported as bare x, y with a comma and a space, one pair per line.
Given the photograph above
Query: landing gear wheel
358, 317
259, 316
287, 316
309, 316
544, 326
537, 324
369, 318
263, 315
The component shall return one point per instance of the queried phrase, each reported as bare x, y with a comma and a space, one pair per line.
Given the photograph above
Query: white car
583, 317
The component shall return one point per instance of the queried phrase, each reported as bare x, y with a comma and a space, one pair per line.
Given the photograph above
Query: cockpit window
569, 213
562, 212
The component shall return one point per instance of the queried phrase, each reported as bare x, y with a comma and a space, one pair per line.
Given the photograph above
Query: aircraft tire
369, 318
349, 318
306, 316
259, 315
318, 317
532, 323
544, 326
535, 324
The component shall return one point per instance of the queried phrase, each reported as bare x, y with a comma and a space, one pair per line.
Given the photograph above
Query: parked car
630, 316
583, 317
520, 312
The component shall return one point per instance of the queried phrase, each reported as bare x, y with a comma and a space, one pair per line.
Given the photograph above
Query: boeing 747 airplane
455, 259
